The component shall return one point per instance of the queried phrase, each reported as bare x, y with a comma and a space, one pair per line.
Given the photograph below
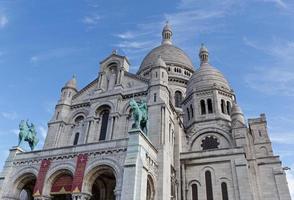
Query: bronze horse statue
27, 133
140, 115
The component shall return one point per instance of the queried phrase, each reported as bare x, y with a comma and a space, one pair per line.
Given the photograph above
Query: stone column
281, 184
109, 127
96, 129
9, 198
42, 198
87, 131
117, 193
81, 196
243, 179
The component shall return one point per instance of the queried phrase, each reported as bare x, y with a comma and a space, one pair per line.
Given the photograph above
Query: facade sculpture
27, 133
171, 131
140, 115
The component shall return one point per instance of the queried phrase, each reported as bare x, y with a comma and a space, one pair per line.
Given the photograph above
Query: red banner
41, 177
79, 173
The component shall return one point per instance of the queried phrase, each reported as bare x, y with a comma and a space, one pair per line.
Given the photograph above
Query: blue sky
43, 43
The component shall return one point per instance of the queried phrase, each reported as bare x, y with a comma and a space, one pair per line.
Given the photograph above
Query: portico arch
22, 184
101, 183
25, 186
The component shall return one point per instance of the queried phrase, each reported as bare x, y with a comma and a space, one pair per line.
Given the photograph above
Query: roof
170, 54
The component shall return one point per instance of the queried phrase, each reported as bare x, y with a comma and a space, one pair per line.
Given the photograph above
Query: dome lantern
203, 54
167, 34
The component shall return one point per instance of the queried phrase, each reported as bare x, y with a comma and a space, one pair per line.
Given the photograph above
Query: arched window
104, 123
209, 106
178, 99
79, 119
224, 191
76, 140
208, 182
192, 111
228, 107
154, 97
150, 189
223, 106
203, 109
194, 192
188, 113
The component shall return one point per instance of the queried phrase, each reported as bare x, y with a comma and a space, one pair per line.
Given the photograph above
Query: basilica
196, 145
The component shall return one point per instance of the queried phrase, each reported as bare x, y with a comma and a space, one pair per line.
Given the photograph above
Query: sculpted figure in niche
111, 78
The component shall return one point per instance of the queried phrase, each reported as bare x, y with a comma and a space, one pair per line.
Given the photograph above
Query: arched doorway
61, 186
150, 193
104, 183
26, 186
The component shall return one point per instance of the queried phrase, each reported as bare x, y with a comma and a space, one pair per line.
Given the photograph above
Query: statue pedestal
136, 166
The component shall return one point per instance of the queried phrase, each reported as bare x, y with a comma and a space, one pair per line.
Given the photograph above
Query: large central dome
170, 54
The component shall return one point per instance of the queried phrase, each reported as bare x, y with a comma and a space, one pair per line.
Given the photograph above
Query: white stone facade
198, 144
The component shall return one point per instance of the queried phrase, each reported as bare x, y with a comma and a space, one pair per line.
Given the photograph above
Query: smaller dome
207, 77
237, 114
203, 49
159, 62
72, 83
167, 27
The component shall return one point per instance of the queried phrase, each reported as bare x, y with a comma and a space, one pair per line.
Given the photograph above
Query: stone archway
61, 185
25, 186
102, 183
150, 191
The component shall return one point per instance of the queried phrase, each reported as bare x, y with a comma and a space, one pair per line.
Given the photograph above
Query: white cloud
91, 19
3, 21
277, 77
9, 115
53, 53
290, 178
272, 81
191, 18
280, 3
14, 131
126, 35
134, 45
283, 138
42, 131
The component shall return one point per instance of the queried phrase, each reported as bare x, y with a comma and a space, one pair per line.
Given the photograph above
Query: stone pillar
42, 198
281, 184
81, 196
117, 193
243, 179
109, 127
9, 198
135, 168
87, 131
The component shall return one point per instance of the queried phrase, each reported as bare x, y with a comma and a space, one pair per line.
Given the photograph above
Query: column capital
81, 196
42, 198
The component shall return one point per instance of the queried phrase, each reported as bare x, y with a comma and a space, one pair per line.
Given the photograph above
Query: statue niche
111, 78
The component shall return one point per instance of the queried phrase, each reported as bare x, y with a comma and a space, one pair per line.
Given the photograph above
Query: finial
203, 54
114, 51
167, 34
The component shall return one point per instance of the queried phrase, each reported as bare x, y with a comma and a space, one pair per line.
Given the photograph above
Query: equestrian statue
27, 133
140, 115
